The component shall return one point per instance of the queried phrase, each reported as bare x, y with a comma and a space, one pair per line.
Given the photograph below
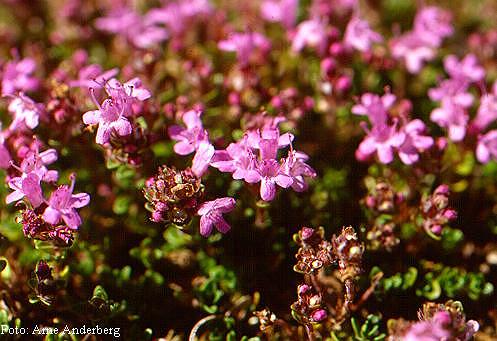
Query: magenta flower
244, 45
188, 138
18, 76
33, 171
295, 167
487, 147
375, 107
26, 112
238, 159
452, 117
211, 213
415, 142
27, 185
433, 24
177, 15
63, 203
5, 157
430, 330
283, 11
382, 139
413, 50
138, 30
93, 76
111, 115
359, 35
193, 138
271, 173
465, 70
487, 111
310, 33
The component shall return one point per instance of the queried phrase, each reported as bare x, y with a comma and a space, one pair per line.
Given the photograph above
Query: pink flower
465, 70
310, 33
411, 48
271, 173
244, 45
487, 147
487, 111
177, 15
193, 138
211, 213
26, 112
283, 11
430, 330
433, 24
111, 115
295, 167
453, 117
375, 107
5, 157
359, 35
382, 139
238, 159
63, 203
18, 76
415, 142
93, 76
138, 30
33, 171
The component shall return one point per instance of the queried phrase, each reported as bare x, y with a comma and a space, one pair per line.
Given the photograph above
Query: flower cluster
254, 159
454, 96
388, 133
114, 112
431, 26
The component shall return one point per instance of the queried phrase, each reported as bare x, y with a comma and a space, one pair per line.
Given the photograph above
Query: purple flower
111, 115
295, 167
63, 203
453, 117
244, 45
17, 76
238, 159
140, 31
487, 111
310, 33
26, 112
359, 35
177, 15
5, 157
382, 139
193, 138
211, 213
283, 11
375, 107
271, 173
415, 142
413, 50
465, 70
33, 171
27, 185
93, 76
428, 331
487, 147
188, 138
432, 25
